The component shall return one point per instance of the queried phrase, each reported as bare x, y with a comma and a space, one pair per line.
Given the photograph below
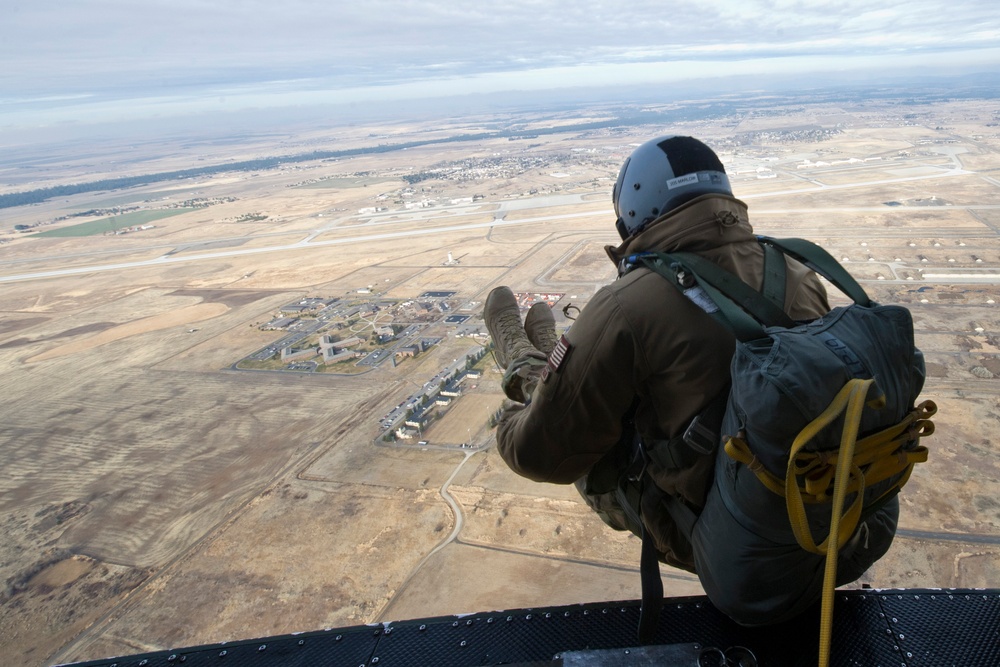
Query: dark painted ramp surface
890, 628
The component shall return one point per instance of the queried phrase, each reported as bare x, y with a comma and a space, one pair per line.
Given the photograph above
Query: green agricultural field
113, 223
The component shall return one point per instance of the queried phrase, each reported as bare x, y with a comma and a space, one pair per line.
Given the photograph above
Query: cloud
123, 48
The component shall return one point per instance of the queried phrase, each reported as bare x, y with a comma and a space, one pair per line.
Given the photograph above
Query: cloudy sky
97, 59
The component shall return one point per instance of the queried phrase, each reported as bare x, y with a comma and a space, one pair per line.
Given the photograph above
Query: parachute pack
819, 431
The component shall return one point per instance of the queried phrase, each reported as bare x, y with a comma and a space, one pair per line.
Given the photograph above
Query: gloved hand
521, 378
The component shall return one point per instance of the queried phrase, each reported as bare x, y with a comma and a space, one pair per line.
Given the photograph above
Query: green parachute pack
818, 432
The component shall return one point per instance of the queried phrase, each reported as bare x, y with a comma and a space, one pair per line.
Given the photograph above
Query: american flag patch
558, 355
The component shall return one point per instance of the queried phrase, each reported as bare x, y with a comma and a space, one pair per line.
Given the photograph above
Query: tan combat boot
511, 347
540, 327
503, 320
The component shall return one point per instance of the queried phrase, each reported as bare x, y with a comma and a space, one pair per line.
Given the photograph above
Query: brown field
585, 263
180, 317
152, 496
465, 421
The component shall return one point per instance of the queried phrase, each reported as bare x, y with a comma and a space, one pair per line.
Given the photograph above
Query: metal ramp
872, 628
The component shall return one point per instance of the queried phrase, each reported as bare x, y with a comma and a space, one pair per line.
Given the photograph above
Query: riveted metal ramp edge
908, 628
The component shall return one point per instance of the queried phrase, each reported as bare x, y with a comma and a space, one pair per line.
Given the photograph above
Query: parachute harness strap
887, 453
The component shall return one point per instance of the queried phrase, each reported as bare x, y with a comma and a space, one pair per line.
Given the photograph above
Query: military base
272, 410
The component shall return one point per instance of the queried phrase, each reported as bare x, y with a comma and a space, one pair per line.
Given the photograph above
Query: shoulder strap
773, 288
820, 261
742, 308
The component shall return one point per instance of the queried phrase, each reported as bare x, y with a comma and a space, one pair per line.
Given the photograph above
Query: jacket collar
706, 222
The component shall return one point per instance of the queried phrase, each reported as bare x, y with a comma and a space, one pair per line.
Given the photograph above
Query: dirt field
465, 421
180, 317
155, 497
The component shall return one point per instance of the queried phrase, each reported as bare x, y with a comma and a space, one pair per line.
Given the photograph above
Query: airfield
156, 494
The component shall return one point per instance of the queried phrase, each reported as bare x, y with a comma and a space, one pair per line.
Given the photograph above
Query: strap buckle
701, 437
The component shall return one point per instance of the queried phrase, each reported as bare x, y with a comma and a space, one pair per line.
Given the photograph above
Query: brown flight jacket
640, 337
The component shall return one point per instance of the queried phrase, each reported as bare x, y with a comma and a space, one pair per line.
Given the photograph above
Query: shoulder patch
558, 354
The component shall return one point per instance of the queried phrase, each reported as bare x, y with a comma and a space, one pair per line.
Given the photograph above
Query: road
965, 538
499, 221
303, 244
456, 509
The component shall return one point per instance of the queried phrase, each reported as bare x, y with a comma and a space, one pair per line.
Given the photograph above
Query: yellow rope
873, 459
850, 401
852, 419
880, 456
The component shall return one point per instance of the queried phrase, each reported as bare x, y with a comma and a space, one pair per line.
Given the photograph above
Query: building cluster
324, 331
423, 310
279, 324
289, 313
201, 202
765, 137
411, 417
477, 169
424, 407
409, 351
132, 229
292, 353
333, 351
809, 164
527, 299
106, 212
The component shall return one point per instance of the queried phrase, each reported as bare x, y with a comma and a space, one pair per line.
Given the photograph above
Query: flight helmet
662, 174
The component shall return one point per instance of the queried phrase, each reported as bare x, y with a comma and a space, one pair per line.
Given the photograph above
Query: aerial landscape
252, 401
